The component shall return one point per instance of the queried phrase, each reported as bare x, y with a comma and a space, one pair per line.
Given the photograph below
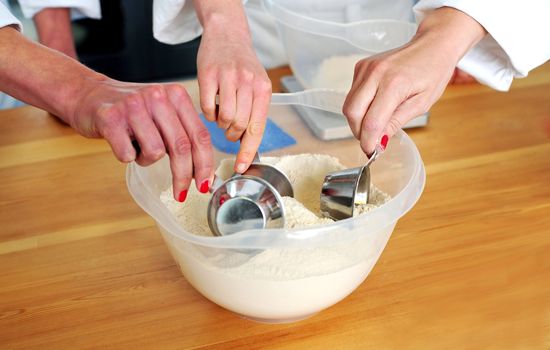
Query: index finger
252, 138
380, 111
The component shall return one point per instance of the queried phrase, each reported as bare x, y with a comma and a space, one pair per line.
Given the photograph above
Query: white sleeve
175, 21
79, 8
518, 37
7, 19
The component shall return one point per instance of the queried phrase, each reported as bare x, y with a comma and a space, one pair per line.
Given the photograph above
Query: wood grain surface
83, 267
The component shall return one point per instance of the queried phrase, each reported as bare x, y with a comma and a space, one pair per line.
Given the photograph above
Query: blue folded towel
274, 138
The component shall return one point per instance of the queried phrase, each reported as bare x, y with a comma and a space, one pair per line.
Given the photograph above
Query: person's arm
391, 88
228, 66
516, 43
53, 26
160, 117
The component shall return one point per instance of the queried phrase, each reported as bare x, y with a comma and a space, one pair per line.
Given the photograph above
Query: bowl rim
313, 236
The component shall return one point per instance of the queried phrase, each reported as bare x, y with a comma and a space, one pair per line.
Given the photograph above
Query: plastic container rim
271, 238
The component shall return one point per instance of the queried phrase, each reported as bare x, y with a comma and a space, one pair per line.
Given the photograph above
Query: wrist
451, 29
76, 94
226, 19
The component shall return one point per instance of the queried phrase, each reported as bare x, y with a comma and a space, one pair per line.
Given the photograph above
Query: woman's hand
160, 117
390, 89
228, 67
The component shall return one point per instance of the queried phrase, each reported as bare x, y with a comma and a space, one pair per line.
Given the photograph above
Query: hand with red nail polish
396, 86
227, 66
161, 118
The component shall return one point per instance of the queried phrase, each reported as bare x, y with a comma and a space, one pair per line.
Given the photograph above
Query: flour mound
306, 173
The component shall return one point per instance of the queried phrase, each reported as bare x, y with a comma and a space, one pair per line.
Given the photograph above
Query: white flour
336, 72
276, 284
300, 211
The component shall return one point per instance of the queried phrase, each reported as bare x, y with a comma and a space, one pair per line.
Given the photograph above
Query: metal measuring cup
343, 190
252, 200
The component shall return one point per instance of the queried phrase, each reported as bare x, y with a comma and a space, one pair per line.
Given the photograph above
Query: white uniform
6, 18
79, 8
518, 39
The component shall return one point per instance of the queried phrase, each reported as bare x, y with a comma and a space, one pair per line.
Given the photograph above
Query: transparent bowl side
399, 172
250, 283
340, 12
315, 32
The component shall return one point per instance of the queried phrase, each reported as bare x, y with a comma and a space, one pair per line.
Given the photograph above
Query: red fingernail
384, 141
204, 187
182, 196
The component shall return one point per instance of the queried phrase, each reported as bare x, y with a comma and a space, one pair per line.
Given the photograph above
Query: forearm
452, 30
42, 77
226, 17
53, 26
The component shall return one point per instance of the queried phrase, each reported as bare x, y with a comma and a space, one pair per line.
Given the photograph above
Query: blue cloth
274, 138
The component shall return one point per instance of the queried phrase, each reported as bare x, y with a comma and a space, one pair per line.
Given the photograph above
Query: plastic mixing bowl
313, 31
285, 275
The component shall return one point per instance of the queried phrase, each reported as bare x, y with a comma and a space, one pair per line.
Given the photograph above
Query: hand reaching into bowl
160, 117
391, 88
228, 66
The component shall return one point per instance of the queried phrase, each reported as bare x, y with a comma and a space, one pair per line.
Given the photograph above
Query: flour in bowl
278, 284
301, 211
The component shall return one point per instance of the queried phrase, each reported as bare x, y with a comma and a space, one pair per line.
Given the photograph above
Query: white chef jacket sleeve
79, 8
175, 21
6, 18
518, 38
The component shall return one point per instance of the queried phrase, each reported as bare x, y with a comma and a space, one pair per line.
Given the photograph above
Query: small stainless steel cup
252, 200
343, 190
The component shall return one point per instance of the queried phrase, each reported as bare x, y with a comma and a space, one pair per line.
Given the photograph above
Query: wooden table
469, 267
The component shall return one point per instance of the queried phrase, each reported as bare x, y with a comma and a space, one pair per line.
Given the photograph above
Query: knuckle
203, 137
134, 100
224, 116
379, 66
207, 108
179, 92
359, 68
264, 86
255, 128
154, 154
207, 73
107, 116
232, 135
246, 76
156, 91
239, 128
371, 125
182, 146
352, 112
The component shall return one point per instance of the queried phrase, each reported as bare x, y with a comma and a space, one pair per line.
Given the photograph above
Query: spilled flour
336, 72
300, 211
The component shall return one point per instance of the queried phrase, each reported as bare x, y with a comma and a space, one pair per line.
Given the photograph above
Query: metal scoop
251, 200
343, 190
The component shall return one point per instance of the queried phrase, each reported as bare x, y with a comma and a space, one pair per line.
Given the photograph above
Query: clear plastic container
313, 31
285, 275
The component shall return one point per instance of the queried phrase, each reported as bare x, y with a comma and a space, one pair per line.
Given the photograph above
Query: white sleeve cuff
175, 21
517, 42
7, 19
79, 8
